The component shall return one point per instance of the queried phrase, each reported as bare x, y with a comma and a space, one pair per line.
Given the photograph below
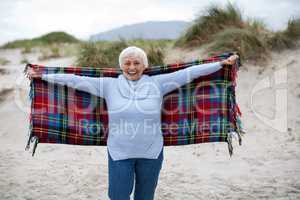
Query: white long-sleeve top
134, 107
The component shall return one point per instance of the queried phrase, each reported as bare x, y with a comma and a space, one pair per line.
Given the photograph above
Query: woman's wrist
222, 63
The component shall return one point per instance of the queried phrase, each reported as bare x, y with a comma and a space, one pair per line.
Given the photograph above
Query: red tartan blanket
202, 111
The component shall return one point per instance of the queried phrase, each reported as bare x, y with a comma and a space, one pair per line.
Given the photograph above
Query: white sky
31, 18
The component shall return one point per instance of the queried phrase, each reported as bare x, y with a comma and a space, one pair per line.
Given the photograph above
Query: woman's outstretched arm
173, 80
94, 85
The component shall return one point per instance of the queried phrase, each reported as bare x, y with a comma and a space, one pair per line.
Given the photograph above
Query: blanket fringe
238, 129
31, 137
35, 141
229, 142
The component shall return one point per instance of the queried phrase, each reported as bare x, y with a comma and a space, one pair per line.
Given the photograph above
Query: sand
266, 166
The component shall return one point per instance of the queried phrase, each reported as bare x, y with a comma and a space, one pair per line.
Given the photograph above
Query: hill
49, 38
152, 30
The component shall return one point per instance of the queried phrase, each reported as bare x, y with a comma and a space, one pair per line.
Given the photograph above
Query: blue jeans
123, 173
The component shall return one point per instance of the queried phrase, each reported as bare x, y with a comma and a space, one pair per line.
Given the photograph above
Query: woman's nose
131, 66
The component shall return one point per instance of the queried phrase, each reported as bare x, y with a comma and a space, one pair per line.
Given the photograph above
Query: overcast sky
30, 18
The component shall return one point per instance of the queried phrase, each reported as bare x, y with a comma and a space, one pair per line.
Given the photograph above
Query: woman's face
133, 67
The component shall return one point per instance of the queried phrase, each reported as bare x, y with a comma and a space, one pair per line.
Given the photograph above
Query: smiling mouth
132, 73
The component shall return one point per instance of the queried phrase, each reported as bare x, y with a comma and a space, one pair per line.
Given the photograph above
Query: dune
266, 166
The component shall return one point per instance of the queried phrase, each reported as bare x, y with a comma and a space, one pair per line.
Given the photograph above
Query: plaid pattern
204, 110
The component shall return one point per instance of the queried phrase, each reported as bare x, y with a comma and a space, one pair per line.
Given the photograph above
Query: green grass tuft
106, 54
4, 61
246, 42
214, 20
223, 29
44, 40
286, 39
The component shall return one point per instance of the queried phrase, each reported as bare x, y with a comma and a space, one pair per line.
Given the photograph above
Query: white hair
133, 51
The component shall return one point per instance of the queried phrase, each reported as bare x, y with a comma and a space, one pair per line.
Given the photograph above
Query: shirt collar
141, 90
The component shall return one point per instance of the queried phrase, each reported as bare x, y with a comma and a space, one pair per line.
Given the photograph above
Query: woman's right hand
231, 60
33, 73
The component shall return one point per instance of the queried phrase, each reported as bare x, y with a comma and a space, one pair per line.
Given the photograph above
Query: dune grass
99, 54
4, 61
220, 29
287, 38
24, 61
105, 54
3, 71
44, 40
50, 45
244, 41
212, 20
4, 93
293, 29
53, 51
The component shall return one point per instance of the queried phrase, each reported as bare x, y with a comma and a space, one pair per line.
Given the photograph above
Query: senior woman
134, 100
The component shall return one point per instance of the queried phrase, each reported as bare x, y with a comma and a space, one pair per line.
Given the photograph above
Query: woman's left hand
230, 60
